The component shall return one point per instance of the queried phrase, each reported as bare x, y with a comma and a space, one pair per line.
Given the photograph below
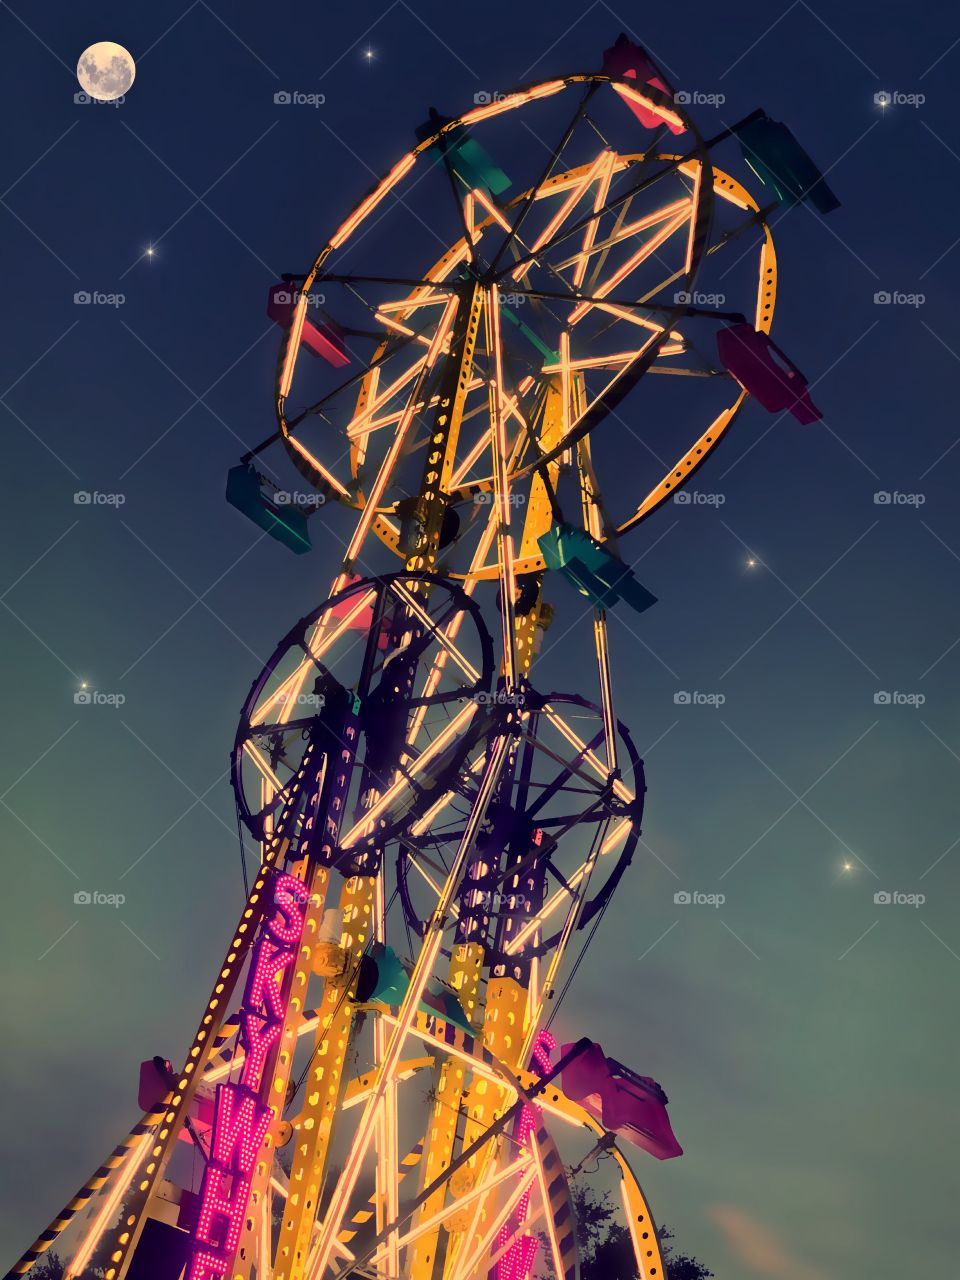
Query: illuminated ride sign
517, 1262
242, 1115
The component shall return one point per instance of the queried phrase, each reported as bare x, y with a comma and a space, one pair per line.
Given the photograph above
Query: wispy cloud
759, 1248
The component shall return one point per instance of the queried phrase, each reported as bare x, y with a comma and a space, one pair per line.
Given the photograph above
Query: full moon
106, 70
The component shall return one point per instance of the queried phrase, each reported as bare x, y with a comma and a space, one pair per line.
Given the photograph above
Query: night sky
805, 1033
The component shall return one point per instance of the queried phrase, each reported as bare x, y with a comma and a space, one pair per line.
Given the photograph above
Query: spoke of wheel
551, 164
562, 896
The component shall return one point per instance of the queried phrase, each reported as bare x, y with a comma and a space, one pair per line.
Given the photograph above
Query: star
368, 54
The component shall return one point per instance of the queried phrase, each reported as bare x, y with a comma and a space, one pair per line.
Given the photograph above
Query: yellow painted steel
313, 1127
464, 977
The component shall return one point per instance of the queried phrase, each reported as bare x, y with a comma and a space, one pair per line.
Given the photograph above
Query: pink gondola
631, 1106
762, 369
323, 339
629, 61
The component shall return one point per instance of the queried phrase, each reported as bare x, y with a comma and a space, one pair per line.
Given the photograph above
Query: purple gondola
631, 1106
762, 369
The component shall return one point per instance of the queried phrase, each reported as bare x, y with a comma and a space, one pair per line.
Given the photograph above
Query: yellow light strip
500, 1217
592, 362
318, 647
491, 208
328, 476
263, 768
443, 638
434, 749
393, 177
355, 424
590, 231
109, 1207
423, 824
510, 101
694, 207
642, 100
561, 895
404, 304
293, 345
645, 251
575, 196
511, 1170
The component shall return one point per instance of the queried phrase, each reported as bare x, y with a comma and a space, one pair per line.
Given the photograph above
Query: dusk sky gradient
806, 1035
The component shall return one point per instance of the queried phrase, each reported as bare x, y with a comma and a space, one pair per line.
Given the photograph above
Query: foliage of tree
606, 1251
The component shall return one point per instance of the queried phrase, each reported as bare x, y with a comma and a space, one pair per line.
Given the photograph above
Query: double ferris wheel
521, 343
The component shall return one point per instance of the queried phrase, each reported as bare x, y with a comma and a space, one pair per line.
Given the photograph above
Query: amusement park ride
373, 1089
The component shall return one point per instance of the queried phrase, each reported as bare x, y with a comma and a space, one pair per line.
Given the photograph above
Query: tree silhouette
606, 1251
